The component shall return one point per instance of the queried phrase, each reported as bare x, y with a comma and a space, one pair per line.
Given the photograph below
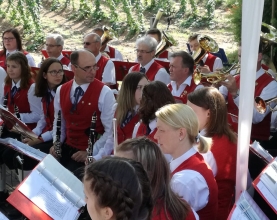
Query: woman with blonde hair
168, 206
210, 108
177, 134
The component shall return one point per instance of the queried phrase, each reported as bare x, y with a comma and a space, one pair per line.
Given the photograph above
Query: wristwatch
237, 94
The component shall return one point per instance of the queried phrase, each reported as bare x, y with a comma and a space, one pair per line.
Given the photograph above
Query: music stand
122, 68
34, 72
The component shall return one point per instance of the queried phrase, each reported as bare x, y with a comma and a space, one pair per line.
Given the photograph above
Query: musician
54, 46
11, 43
167, 204
106, 70
266, 88
154, 96
210, 108
181, 70
146, 49
211, 62
156, 33
192, 179
77, 100
113, 53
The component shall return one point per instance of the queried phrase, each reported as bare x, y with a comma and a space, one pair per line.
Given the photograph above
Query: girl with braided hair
168, 206
117, 189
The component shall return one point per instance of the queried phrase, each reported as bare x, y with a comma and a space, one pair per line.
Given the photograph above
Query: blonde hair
182, 116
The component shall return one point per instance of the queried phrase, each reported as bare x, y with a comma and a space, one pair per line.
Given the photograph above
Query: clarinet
16, 112
5, 106
57, 143
92, 138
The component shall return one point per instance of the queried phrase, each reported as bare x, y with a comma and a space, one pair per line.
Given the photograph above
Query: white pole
252, 11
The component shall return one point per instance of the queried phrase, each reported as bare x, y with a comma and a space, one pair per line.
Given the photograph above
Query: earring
180, 139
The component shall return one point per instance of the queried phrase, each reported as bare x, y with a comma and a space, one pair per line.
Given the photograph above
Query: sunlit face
167, 137
203, 115
140, 86
9, 41
14, 70
91, 44
194, 45
52, 48
155, 36
54, 75
176, 69
144, 54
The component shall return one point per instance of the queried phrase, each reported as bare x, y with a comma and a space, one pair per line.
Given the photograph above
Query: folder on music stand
257, 149
13, 123
122, 68
66, 53
49, 192
34, 72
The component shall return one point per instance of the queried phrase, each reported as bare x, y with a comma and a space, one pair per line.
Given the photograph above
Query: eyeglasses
87, 69
51, 45
142, 51
8, 38
89, 43
56, 72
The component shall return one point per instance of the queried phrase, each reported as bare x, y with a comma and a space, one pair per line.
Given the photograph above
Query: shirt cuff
46, 136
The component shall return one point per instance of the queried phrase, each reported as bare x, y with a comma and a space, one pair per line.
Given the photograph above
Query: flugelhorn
215, 77
157, 18
261, 104
166, 42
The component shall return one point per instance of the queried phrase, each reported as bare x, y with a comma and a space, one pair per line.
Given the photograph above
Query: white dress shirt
270, 91
161, 75
152, 126
178, 92
189, 184
29, 57
108, 72
105, 105
217, 63
117, 54
48, 135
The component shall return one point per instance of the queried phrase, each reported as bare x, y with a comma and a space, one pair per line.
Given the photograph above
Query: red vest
164, 55
80, 120
152, 71
210, 61
65, 61
142, 132
3, 58
111, 53
101, 64
127, 131
197, 163
184, 95
225, 154
48, 114
20, 99
260, 131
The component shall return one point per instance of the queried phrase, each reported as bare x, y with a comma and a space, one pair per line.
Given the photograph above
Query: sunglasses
89, 43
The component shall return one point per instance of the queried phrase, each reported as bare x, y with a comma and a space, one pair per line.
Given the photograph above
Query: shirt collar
83, 86
260, 72
186, 82
10, 52
153, 124
147, 66
107, 49
178, 161
97, 58
16, 84
60, 57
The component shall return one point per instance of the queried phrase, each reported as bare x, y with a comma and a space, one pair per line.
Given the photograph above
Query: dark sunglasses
89, 43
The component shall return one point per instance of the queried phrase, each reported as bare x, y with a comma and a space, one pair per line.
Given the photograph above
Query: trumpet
215, 77
262, 104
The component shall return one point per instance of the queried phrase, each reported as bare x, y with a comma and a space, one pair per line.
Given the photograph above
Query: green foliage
232, 56
210, 9
183, 7
236, 19
131, 22
113, 12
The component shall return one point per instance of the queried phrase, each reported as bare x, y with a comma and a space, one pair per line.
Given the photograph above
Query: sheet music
3, 217
267, 194
269, 178
260, 150
24, 148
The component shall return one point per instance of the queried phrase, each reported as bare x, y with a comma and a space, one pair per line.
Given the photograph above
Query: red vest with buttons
210, 61
79, 121
48, 114
111, 53
65, 61
197, 163
101, 64
20, 99
3, 58
184, 95
142, 132
261, 130
164, 55
127, 131
152, 71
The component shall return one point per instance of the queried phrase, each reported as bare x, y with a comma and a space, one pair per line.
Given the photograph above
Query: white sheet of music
267, 194
3, 217
260, 150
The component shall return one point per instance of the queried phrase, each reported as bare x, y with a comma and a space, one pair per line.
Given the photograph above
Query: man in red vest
181, 70
146, 49
211, 62
77, 100
156, 33
266, 88
54, 46
106, 71
113, 53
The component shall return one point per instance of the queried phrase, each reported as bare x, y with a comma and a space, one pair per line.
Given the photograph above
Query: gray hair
57, 37
150, 42
95, 36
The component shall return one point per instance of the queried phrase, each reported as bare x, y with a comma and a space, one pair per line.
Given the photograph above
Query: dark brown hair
187, 60
41, 83
17, 37
155, 31
26, 75
123, 186
152, 159
210, 98
154, 96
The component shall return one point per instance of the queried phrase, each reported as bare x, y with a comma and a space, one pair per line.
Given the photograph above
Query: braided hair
121, 185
